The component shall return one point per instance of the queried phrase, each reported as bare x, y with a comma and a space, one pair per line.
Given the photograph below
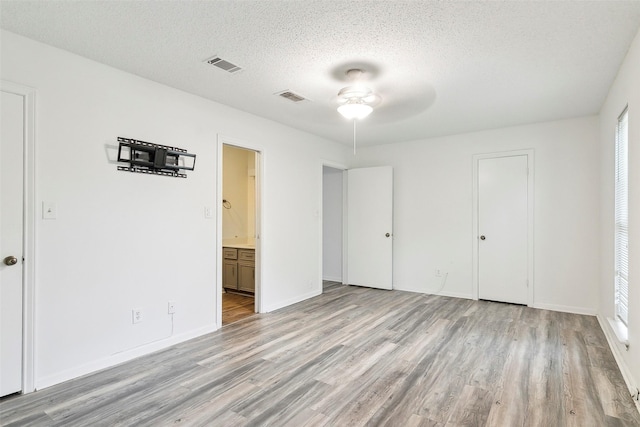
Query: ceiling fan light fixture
356, 101
355, 109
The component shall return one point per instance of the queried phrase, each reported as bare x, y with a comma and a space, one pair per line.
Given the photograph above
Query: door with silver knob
502, 222
370, 227
11, 230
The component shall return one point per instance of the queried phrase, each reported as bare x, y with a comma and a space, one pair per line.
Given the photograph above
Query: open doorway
332, 226
239, 232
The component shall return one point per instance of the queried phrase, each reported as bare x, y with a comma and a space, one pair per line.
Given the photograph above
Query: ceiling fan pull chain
354, 137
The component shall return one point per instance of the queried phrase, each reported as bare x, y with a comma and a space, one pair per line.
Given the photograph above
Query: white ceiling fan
356, 101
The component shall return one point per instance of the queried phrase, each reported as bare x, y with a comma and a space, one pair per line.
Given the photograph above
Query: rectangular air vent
291, 96
223, 64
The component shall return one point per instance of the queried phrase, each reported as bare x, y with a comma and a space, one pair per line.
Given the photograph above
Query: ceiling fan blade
373, 99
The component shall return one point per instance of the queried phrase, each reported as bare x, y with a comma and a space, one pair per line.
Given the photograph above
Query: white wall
124, 240
433, 209
624, 91
332, 224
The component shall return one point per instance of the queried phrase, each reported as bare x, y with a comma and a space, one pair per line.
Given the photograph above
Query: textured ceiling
440, 67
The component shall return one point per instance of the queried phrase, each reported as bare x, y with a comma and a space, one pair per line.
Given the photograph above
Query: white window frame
621, 254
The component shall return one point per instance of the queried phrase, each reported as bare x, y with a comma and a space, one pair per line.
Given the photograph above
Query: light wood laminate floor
355, 356
236, 307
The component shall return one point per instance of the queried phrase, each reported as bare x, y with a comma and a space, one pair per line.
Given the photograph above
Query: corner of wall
298, 298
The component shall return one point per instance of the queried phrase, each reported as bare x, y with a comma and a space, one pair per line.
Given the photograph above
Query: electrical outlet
136, 315
171, 307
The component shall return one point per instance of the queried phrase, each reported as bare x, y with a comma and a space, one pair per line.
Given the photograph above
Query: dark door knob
482, 237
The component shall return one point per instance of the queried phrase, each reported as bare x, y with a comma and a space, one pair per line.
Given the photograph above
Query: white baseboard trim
290, 301
120, 357
454, 295
441, 293
566, 309
333, 278
617, 348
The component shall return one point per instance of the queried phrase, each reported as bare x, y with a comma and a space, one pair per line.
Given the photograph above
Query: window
622, 220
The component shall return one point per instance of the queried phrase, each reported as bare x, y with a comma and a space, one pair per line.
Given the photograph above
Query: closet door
370, 227
502, 225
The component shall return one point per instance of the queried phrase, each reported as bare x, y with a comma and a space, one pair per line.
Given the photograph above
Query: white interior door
11, 243
503, 229
370, 227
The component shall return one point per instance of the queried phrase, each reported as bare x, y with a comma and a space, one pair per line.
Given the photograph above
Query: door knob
387, 235
11, 260
482, 237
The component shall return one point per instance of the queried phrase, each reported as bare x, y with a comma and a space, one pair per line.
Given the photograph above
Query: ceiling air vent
223, 65
294, 97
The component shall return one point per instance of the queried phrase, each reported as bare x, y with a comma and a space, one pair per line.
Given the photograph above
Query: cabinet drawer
247, 255
229, 253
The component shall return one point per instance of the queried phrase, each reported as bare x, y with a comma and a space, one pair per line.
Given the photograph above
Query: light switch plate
49, 210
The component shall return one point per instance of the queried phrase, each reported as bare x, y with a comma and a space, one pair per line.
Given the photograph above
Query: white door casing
370, 227
261, 290
11, 243
503, 228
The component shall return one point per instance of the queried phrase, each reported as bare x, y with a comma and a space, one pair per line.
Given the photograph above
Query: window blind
622, 219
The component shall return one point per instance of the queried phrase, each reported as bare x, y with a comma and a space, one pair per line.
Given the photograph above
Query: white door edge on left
11, 242
27, 263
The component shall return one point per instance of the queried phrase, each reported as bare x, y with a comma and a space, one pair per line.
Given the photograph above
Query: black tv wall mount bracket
155, 159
